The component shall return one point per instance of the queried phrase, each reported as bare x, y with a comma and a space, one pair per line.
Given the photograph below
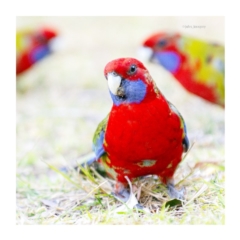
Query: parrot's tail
86, 160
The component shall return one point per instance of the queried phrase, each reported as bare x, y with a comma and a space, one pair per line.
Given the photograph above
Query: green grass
61, 100
75, 199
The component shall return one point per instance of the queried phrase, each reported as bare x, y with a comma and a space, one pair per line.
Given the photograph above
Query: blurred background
62, 98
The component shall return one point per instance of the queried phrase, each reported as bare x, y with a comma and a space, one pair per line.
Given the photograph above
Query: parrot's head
44, 35
162, 48
129, 81
47, 36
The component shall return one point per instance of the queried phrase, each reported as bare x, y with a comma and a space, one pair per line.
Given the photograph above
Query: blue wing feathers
98, 145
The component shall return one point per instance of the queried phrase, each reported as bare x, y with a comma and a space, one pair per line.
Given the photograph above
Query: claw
174, 193
126, 196
130, 200
141, 207
123, 196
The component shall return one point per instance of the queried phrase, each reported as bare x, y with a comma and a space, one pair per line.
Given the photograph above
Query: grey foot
123, 196
174, 193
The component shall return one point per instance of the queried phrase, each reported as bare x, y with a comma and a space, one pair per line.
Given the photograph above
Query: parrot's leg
173, 192
122, 194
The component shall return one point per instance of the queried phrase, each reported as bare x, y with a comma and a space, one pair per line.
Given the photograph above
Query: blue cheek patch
39, 53
135, 92
168, 60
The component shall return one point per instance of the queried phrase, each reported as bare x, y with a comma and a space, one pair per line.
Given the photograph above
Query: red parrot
32, 46
143, 133
196, 64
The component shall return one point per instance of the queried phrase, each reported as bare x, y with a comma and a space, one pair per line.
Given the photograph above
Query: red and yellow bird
197, 65
143, 133
32, 45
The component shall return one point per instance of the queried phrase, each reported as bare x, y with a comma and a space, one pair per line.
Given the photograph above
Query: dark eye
132, 69
162, 43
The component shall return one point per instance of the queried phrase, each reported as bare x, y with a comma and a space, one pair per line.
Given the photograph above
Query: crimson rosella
144, 134
32, 46
196, 64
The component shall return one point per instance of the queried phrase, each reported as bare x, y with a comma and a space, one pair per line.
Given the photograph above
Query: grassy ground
61, 100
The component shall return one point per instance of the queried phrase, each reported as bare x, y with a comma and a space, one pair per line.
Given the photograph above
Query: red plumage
146, 131
202, 90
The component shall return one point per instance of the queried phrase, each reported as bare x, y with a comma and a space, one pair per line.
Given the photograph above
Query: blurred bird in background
196, 64
32, 45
